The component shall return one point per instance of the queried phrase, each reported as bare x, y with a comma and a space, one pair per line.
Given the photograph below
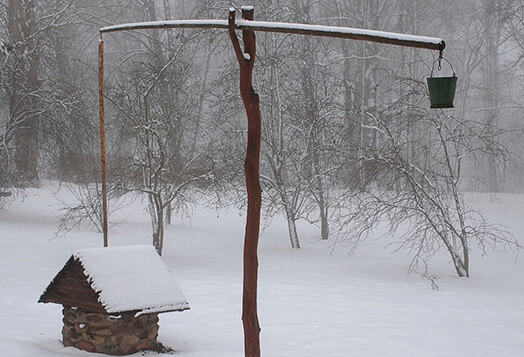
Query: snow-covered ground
312, 302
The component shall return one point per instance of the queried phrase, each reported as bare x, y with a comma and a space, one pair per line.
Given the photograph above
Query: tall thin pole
246, 60
102, 134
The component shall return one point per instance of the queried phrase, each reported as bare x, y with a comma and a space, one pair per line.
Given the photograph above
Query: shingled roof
116, 279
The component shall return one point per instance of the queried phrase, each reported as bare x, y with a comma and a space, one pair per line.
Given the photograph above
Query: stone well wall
111, 334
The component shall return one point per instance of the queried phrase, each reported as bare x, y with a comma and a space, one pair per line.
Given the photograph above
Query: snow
167, 24
285, 27
312, 301
131, 278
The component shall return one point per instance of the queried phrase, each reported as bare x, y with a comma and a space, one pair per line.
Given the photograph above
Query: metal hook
439, 67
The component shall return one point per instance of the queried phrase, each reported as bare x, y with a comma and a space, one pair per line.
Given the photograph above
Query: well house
112, 298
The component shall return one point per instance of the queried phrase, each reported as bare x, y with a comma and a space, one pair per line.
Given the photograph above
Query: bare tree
161, 163
425, 202
28, 24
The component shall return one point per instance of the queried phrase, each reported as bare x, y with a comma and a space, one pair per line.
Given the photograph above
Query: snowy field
312, 302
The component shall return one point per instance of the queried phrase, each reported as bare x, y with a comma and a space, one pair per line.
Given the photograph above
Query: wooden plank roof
116, 279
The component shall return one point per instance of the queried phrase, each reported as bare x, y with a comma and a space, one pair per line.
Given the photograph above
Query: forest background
349, 141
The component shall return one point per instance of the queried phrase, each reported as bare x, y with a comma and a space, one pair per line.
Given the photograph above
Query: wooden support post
246, 60
102, 135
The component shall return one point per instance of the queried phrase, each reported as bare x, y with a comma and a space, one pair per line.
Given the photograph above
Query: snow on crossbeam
344, 32
432, 43
166, 24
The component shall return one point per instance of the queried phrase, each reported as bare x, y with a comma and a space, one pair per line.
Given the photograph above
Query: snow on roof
131, 278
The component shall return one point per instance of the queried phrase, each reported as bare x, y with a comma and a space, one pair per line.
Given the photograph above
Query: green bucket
442, 91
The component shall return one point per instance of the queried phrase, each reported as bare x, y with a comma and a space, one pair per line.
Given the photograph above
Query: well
120, 334
112, 298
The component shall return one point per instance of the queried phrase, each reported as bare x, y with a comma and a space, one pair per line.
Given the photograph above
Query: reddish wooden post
246, 60
102, 135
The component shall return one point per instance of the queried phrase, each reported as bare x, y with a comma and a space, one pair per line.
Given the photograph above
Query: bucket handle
439, 60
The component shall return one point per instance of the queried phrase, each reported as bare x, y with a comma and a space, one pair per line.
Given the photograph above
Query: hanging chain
440, 56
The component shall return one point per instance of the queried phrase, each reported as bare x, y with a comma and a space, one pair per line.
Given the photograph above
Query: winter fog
388, 228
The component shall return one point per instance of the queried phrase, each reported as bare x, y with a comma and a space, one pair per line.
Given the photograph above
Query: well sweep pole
246, 60
102, 135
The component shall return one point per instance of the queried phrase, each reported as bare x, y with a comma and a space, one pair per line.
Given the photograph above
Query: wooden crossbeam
392, 38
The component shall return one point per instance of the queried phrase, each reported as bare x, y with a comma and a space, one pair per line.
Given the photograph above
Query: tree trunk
21, 25
311, 116
169, 213
156, 211
491, 93
460, 264
324, 223
292, 229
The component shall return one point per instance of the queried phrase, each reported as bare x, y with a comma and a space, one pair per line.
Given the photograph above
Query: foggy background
342, 119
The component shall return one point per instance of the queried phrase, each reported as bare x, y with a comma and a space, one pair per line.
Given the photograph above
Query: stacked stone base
110, 334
